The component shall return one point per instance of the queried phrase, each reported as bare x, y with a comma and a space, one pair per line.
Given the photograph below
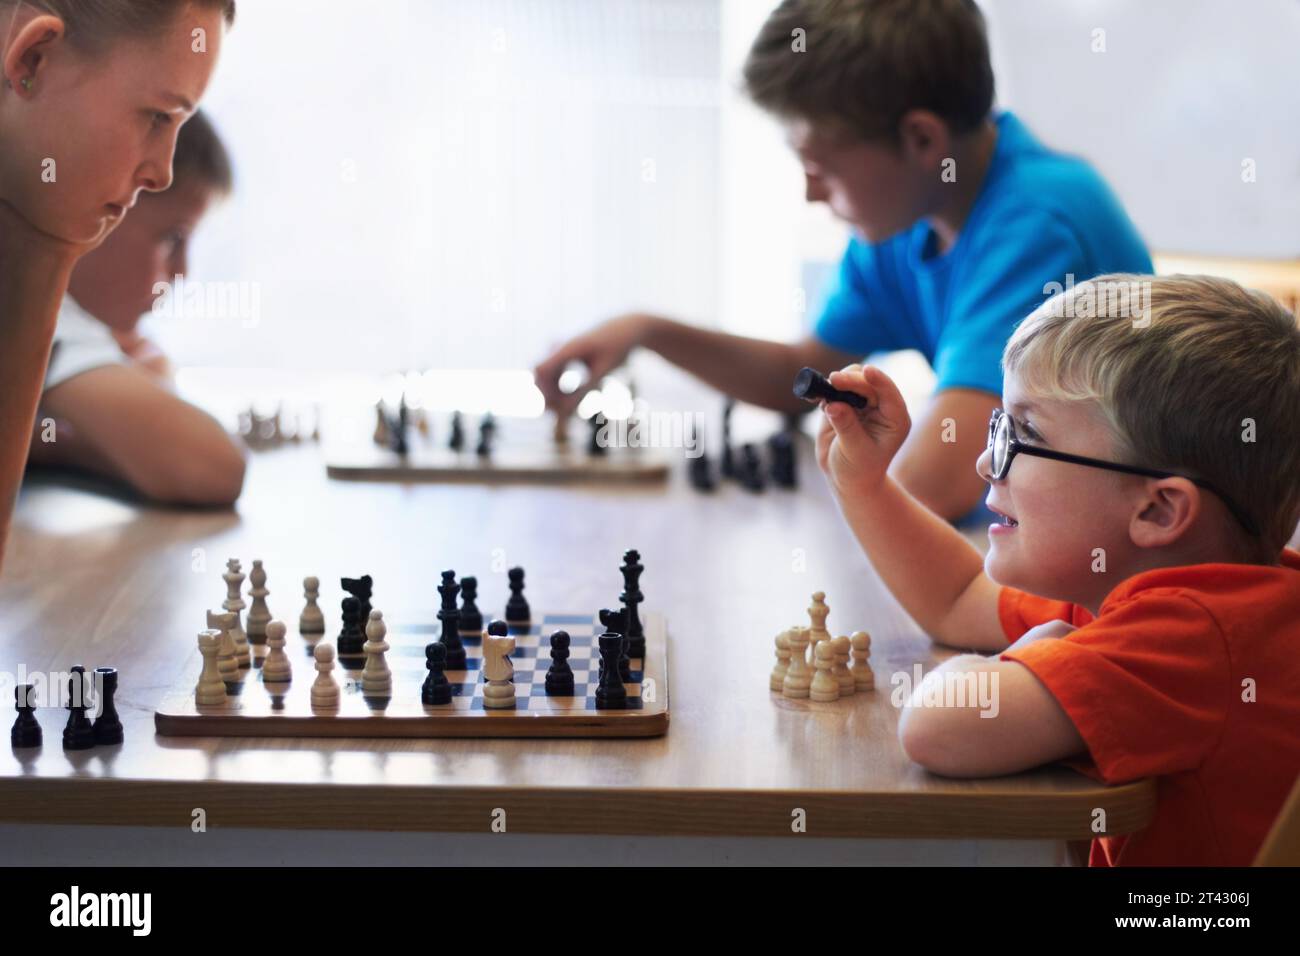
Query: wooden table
98, 581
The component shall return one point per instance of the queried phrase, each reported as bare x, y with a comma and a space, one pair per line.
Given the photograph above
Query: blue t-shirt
1039, 217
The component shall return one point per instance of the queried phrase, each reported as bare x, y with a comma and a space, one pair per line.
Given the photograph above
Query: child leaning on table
1146, 461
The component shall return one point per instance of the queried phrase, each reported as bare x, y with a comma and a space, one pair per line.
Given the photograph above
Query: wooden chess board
525, 450
255, 708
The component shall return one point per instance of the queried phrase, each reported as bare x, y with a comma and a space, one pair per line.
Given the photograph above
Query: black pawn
594, 447
26, 731
78, 734
436, 688
517, 611
559, 677
610, 692
615, 622
632, 598
108, 726
471, 618
457, 440
812, 386
351, 639
449, 615
781, 449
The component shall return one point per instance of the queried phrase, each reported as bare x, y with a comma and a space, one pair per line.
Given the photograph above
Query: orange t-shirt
1190, 675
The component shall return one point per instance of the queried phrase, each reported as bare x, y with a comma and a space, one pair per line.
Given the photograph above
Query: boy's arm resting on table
129, 427
1008, 722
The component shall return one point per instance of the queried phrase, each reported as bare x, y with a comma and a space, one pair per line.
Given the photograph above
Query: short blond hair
1193, 374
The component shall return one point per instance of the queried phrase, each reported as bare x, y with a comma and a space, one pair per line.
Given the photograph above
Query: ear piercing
26, 82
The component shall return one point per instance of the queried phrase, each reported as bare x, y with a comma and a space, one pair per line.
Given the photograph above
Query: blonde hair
1193, 374
92, 22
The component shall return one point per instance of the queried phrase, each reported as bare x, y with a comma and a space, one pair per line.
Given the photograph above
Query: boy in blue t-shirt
963, 224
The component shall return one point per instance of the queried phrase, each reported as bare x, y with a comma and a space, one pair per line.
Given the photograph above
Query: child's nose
983, 465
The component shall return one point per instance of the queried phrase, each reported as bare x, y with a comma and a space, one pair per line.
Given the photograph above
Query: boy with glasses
1138, 604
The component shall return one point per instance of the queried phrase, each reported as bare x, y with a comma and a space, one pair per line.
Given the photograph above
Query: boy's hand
855, 446
602, 350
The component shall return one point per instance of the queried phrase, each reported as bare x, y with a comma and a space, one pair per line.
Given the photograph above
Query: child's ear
1165, 512
26, 54
923, 137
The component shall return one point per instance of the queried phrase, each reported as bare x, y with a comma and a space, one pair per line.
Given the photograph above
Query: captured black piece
812, 386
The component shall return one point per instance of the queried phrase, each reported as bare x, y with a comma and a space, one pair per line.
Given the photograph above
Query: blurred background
436, 184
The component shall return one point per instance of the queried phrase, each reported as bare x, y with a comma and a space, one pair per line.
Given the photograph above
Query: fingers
883, 396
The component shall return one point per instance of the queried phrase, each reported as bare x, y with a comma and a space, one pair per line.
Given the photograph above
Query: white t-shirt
81, 343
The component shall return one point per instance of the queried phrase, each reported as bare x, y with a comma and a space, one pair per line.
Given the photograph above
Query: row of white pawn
810, 664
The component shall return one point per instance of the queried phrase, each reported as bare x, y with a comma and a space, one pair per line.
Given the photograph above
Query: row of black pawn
79, 733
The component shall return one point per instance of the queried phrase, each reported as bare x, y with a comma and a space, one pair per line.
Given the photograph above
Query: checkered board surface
260, 709
525, 451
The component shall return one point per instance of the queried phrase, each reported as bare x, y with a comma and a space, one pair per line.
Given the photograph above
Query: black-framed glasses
1004, 446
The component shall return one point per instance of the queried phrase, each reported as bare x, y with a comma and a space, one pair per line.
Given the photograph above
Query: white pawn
840, 646
312, 619
817, 613
824, 685
211, 689
863, 679
782, 661
234, 578
797, 677
276, 668
325, 690
227, 652
376, 678
498, 671
258, 613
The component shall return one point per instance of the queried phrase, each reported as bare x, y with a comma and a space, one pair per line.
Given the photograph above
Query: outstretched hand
601, 350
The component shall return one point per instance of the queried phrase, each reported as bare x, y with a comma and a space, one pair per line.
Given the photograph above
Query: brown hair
201, 157
865, 63
1192, 374
90, 22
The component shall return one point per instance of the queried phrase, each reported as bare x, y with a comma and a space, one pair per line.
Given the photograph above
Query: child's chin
1003, 569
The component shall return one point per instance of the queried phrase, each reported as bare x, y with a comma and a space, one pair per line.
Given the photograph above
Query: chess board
255, 708
525, 450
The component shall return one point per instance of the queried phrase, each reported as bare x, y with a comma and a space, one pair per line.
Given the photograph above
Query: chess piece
797, 678
211, 689
449, 615
817, 612
362, 589
351, 639
487, 430
325, 689
382, 436
782, 464
376, 678
312, 619
824, 687
471, 619
561, 433
751, 469
227, 652
436, 688
610, 692
78, 734
234, 578
107, 726
632, 598
258, 612
777, 678
498, 671
863, 678
559, 676
812, 386
517, 611
457, 440
26, 731
615, 622
276, 669
840, 648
